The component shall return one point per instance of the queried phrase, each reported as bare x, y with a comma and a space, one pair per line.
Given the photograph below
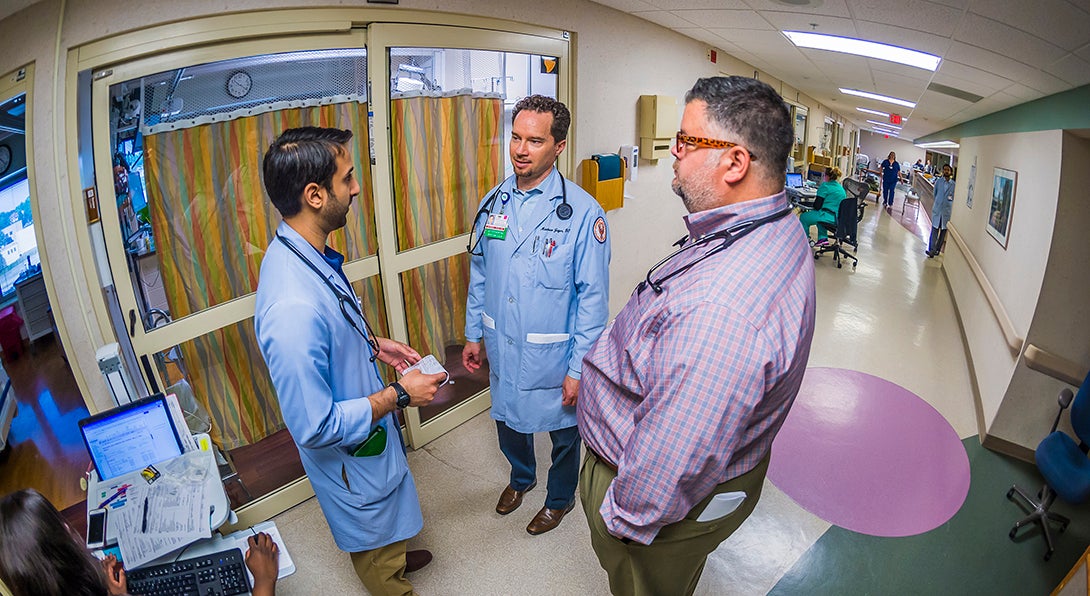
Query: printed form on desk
166, 515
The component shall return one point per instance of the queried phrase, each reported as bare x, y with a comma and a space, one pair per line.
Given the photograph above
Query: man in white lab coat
538, 296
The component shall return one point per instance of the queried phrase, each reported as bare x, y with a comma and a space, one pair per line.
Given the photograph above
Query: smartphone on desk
96, 528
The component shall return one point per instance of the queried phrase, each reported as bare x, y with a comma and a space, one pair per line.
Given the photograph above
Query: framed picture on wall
999, 217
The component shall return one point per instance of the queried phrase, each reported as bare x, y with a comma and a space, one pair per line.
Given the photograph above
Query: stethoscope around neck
563, 212
342, 299
727, 237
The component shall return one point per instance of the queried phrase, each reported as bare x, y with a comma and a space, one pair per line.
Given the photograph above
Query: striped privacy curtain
447, 152
212, 223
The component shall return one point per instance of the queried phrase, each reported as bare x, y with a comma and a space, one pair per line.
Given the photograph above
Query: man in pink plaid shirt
684, 392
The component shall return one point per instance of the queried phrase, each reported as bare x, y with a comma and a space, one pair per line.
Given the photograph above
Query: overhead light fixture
877, 97
939, 145
862, 47
881, 131
886, 124
875, 112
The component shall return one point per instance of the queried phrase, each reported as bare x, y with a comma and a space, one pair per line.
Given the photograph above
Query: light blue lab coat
539, 310
944, 202
320, 369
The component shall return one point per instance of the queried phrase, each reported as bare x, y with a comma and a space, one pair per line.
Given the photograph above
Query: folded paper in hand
429, 366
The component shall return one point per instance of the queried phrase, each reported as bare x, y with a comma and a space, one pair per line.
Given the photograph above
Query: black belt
605, 462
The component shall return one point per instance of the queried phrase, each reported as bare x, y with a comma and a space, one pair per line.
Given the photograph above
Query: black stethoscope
728, 236
563, 211
342, 299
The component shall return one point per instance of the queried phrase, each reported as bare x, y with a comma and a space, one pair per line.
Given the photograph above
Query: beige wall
1016, 273
617, 58
878, 147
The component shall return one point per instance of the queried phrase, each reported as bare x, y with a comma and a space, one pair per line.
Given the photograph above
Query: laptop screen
131, 437
794, 180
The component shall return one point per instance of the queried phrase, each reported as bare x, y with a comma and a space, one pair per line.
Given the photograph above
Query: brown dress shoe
510, 499
547, 519
415, 560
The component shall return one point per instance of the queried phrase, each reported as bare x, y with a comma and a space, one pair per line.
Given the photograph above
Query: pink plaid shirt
686, 389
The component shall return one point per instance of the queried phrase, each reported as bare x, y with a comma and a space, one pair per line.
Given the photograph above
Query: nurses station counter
924, 185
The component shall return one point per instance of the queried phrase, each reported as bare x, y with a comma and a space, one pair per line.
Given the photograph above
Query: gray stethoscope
563, 211
728, 237
342, 299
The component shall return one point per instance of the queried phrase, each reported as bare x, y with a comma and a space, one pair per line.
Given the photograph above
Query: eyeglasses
684, 142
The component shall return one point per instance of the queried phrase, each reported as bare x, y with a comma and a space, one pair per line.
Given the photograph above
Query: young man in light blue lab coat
940, 212
321, 352
538, 296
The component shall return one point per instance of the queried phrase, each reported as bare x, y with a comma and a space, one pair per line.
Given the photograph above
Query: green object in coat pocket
374, 444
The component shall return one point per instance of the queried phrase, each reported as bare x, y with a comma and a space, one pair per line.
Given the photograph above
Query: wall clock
239, 84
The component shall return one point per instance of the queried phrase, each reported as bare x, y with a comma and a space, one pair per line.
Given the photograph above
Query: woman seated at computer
41, 556
831, 193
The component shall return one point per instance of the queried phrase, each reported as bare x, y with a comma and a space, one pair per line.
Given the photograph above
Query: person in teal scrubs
832, 193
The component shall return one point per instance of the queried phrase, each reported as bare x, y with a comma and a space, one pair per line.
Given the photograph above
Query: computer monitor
794, 180
815, 175
131, 437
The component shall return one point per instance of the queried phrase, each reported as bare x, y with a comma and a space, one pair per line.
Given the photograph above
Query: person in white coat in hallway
538, 297
940, 212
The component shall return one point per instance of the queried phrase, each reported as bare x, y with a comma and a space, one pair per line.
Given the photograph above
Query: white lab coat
539, 306
320, 369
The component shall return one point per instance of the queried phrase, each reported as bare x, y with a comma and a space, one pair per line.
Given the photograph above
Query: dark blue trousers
887, 192
564, 472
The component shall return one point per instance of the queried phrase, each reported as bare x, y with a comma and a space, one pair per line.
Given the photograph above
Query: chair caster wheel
1048, 555
1010, 494
838, 265
1063, 528
1012, 533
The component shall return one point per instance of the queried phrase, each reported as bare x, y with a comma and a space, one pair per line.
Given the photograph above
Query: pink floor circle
870, 456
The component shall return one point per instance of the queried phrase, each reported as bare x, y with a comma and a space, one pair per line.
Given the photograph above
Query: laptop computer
794, 180
131, 437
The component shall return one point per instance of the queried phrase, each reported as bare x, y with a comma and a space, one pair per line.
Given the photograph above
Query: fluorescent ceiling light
877, 97
939, 145
891, 133
885, 124
875, 112
862, 47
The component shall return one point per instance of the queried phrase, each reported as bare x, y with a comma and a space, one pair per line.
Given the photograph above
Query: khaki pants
673, 562
382, 570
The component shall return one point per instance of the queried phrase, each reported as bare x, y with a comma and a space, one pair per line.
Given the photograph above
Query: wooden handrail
1014, 341
1057, 367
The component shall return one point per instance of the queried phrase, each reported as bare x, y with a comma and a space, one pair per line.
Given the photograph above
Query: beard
334, 214
696, 190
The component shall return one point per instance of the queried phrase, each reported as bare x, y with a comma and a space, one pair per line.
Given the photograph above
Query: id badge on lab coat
496, 226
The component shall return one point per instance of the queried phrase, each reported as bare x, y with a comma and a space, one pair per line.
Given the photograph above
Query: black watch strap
402, 395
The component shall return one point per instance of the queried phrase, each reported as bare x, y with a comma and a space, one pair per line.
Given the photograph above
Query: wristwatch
402, 395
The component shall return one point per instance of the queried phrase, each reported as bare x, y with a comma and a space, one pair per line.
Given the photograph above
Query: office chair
844, 233
1064, 465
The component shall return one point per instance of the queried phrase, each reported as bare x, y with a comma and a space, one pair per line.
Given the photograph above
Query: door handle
132, 322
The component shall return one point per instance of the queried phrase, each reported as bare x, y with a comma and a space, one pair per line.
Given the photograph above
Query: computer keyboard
217, 574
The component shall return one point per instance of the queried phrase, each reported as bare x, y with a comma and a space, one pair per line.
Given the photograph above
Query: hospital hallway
878, 482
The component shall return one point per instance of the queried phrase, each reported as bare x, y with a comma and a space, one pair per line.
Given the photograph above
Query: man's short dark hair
752, 111
298, 157
547, 105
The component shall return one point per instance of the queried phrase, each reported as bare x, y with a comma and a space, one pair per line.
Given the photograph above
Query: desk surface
214, 497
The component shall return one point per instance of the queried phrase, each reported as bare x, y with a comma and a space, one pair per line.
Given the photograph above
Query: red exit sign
894, 118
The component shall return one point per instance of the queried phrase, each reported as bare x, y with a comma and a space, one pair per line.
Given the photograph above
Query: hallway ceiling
1006, 52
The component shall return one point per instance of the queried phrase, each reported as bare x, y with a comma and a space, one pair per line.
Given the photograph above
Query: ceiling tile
1083, 52
915, 39
990, 61
900, 70
827, 7
664, 18
1045, 83
1056, 21
1006, 40
697, 4
914, 14
1023, 93
796, 21
975, 75
627, 5
727, 19
963, 4
1071, 69
963, 85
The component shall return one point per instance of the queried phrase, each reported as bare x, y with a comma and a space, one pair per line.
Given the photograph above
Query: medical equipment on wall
117, 377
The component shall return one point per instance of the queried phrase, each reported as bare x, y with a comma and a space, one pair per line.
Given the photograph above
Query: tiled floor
892, 320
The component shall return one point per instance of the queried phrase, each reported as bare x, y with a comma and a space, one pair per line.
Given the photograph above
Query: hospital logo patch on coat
600, 229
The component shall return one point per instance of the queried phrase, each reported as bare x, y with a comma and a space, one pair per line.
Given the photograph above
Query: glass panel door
448, 121
179, 140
